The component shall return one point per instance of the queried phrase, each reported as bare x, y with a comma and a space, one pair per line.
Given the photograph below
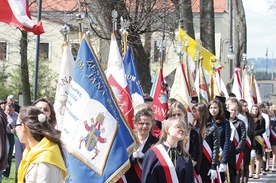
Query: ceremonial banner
160, 98
96, 136
179, 91
237, 83
201, 86
132, 78
63, 84
16, 12
115, 74
192, 46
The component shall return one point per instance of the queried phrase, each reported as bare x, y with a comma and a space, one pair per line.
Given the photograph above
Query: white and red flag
17, 13
237, 83
115, 74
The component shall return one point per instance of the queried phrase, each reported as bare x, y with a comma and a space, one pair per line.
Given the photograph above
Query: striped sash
166, 163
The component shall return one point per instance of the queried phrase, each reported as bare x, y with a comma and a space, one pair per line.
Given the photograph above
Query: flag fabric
17, 13
160, 98
237, 83
115, 74
179, 90
213, 87
253, 89
208, 56
220, 83
63, 83
132, 78
259, 98
96, 136
246, 93
201, 86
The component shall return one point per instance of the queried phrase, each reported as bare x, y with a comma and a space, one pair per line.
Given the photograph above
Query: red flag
17, 13
160, 97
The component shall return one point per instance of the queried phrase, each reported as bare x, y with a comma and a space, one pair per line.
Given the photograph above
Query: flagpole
124, 25
37, 51
79, 20
114, 15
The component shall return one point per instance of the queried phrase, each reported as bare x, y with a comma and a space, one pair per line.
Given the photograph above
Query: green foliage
5, 91
46, 82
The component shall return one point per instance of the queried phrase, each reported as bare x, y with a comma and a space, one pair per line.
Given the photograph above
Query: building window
3, 51
74, 49
156, 52
44, 51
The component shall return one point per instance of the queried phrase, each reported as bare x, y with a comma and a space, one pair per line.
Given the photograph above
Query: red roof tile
219, 6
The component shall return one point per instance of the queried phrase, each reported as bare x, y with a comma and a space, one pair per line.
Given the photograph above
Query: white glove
213, 174
253, 153
138, 154
222, 168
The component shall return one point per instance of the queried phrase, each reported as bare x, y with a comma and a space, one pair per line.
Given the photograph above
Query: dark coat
224, 132
3, 140
236, 149
131, 175
153, 172
195, 147
213, 139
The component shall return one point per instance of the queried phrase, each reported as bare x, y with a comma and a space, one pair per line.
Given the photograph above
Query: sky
261, 28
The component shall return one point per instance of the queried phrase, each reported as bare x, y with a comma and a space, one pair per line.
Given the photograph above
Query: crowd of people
226, 142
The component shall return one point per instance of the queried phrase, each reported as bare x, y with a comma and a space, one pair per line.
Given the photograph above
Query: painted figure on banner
94, 134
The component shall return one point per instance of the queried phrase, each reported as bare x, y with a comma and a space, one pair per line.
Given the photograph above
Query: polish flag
17, 13
115, 74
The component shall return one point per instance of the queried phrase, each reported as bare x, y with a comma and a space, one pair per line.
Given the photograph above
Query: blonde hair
164, 135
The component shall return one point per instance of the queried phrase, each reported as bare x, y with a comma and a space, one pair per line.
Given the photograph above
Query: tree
183, 9
5, 90
46, 76
24, 72
240, 36
145, 17
207, 25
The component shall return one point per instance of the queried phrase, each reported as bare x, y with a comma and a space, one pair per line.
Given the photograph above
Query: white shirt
43, 173
267, 130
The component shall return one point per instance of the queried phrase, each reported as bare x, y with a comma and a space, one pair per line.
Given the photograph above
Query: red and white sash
267, 144
207, 151
239, 156
248, 142
166, 163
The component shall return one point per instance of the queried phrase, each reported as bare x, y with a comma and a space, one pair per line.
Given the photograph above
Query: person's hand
213, 174
138, 154
222, 168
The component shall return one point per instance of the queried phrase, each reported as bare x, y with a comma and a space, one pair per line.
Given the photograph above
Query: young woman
46, 106
143, 123
43, 158
193, 144
259, 129
210, 136
237, 141
168, 161
216, 113
250, 141
273, 136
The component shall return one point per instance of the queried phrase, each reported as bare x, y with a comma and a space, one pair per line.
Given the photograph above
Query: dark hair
52, 120
143, 112
220, 116
29, 117
204, 115
10, 104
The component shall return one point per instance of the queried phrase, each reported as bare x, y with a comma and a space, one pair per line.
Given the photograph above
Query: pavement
270, 177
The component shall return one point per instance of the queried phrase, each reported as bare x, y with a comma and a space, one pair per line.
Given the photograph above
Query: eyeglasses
14, 126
